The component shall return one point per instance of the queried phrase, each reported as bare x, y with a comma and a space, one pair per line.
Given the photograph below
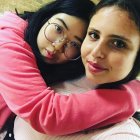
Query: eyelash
93, 35
115, 43
58, 28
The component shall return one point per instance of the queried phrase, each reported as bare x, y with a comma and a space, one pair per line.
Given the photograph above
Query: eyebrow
113, 35
93, 29
63, 22
65, 25
120, 37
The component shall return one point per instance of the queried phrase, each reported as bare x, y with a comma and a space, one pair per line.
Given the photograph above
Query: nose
98, 51
51, 49
59, 46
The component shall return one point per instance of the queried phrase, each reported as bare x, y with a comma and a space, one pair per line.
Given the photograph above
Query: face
110, 47
60, 38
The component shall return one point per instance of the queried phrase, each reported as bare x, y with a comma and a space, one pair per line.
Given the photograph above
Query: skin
110, 47
74, 30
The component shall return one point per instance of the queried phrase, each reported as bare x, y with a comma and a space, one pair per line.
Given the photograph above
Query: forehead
75, 26
113, 20
69, 19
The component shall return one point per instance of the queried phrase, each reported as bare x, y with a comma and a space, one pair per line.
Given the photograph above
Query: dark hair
133, 9
50, 72
53, 73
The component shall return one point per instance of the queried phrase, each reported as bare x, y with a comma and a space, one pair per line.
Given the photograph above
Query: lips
49, 54
94, 67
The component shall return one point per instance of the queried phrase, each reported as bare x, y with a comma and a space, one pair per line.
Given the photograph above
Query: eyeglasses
54, 33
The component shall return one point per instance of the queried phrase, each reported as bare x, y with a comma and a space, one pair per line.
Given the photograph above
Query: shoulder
12, 26
12, 30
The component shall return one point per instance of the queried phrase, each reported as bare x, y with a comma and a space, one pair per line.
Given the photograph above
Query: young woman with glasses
42, 49
50, 39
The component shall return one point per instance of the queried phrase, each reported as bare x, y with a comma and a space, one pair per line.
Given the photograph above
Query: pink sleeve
27, 95
5, 112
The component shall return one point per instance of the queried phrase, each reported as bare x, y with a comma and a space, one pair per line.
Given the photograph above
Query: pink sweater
26, 94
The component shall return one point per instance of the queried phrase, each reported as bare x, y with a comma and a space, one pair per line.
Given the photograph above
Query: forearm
27, 95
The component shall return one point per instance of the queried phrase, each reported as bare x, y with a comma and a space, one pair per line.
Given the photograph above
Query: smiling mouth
95, 68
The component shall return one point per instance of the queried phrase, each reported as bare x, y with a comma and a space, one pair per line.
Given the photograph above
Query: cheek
118, 62
61, 59
41, 40
121, 64
85, 49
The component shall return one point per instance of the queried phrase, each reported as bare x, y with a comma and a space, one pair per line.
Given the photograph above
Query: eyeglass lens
54, 33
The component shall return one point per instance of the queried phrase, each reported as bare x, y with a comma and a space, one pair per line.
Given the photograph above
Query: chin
95, 81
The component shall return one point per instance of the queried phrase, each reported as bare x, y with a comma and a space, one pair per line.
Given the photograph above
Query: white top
127, 130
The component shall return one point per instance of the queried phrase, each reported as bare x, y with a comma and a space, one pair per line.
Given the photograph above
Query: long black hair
53, 73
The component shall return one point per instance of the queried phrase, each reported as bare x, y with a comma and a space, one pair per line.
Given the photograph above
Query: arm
5, 112
27, 95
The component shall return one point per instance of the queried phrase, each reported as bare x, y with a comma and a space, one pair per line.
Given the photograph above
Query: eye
94, 35
118, 44
75, 44
58, 29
